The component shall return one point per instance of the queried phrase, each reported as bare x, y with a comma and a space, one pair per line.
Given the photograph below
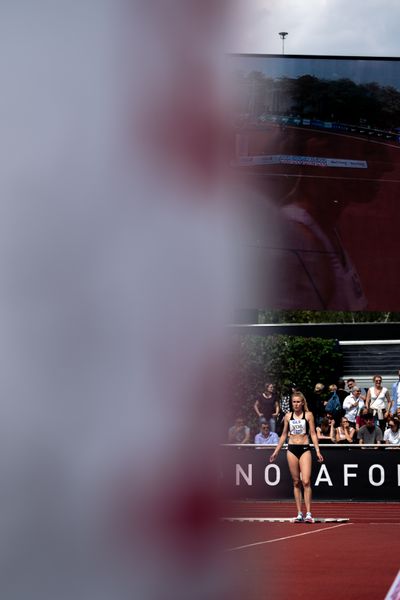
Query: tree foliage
281, 360
310, 316
341, 100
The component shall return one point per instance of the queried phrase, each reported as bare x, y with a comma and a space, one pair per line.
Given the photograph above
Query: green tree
310, 316
281, 360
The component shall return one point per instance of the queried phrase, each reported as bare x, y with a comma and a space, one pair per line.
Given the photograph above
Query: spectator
239, 433
360, 420
396, 395
326, 431
345, 433
285, 404
378, 401
352, 383
266, 436
333, 405
341, 392
267, 406
392, 433
370, 433
318, 402
352, 406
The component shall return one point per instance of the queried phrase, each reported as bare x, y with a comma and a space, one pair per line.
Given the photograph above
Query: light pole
283, 34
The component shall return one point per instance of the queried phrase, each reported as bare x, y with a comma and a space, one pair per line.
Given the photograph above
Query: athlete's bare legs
294, 468
305, 462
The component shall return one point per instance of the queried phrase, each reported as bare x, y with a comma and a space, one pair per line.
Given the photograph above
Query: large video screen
317, 153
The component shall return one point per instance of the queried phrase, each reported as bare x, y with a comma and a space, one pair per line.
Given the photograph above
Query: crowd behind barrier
344, 413
348, 423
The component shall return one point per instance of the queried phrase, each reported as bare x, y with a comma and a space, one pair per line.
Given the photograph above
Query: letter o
370, 472
277, 474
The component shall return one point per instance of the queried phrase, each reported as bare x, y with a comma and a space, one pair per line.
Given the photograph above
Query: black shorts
298, 449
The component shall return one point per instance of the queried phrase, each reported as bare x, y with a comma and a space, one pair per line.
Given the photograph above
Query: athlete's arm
310, 418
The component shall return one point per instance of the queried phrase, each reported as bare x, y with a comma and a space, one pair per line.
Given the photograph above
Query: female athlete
299, 425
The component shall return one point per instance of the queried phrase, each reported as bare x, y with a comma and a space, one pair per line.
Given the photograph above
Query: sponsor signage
290, 159
346, 474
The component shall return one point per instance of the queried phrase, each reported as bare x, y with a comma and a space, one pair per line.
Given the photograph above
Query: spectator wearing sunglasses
266, 436
378, 401
352, 406
345, 432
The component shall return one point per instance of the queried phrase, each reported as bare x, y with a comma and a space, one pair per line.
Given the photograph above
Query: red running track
336, 561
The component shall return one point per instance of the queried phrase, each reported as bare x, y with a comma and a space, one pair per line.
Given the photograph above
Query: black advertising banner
353, 473
316, 143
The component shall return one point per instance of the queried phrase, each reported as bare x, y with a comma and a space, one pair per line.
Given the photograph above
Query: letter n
248, 477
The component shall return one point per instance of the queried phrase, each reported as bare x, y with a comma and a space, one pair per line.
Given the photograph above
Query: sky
331, 27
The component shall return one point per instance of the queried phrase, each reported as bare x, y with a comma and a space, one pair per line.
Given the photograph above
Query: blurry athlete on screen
291, 241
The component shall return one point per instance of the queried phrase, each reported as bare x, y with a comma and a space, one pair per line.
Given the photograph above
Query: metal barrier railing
322, 446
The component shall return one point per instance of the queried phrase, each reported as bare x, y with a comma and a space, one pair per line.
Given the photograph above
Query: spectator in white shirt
378, 401
392, 433
351, 384
352, 406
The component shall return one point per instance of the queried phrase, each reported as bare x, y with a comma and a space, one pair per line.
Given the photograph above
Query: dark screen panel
317, 153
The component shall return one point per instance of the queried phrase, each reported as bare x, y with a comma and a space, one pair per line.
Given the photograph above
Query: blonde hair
302, 397
332, 387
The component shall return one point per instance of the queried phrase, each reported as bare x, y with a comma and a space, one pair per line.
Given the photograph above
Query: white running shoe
309, 518
299, 518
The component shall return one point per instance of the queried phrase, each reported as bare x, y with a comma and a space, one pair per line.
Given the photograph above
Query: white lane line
394, 592
288, 537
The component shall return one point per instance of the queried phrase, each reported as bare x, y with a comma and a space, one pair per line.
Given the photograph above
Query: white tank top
298, 426
380, 400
